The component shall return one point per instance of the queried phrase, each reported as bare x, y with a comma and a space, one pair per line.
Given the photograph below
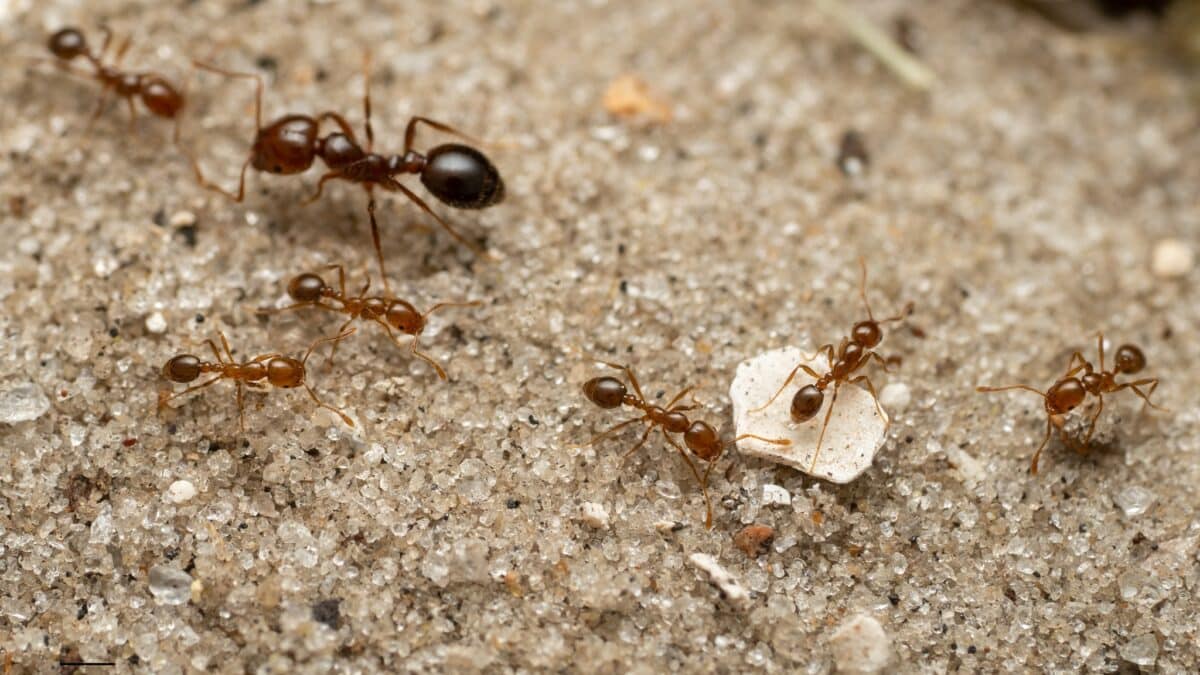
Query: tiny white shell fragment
594, 515
776, 495
856, 428
734, 592
180, 491
860, 645
155, 323
895, 397
1171, 258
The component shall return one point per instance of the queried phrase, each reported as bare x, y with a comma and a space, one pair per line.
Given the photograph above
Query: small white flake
155, 323
183, 219
180, 491
895, 396
22, 402
1171, 258
860, 645
594, 515
776, 495
734, 592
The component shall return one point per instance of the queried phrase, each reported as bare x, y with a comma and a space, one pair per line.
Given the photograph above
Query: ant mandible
852, 354
1081, 379
699, 437
158, 95
310, 290
274, 369
458, 175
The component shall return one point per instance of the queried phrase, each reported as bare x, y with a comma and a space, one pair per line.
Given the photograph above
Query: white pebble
733, 591
856, 430
776, 495
860, 645
180, 491
594, 515
170, 586
1171, 258
183, 219
895, 396
155, 323
1141, 650
23, 402
1134, 500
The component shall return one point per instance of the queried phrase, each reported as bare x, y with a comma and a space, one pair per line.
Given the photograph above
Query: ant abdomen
605, 392
159, 96
807, 403
285, 372
307, 287
182, 368
703, 440
462, 177
286, 147
67, 44
1130, 359
1065, 395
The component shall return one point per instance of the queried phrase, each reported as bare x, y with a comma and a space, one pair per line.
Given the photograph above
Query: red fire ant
310, 290
274, 369
700, 438
458, 175
158, 95
852, 354
1072, 389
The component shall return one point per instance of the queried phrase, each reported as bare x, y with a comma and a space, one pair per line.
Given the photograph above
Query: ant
158, 95
458, 175
310, 290
851, 356
699, 437
1072, 389
277, 370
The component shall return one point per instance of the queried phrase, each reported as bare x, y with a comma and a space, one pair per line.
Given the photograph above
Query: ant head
807, 403
866, 333
306, 287
182, 368
405, 318
1065, 395
462, 177
703, 441
1130, 359
285, 372
67, 44
287, 146
160, 97
606, 392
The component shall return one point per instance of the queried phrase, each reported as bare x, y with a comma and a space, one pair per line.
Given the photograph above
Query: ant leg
258, 85
1100, 348
341, 277
341, 122
882, 362
821, 437
987, 390
786, 382
772, 441
216, 352
228, 351
628, 372
1033, 467
904, 313
640, 443
441, 305
695, 472
678, 396
862, 287
121, 49
241, 408
333, 351
412, 349
1145, 396
329, 175
132, 113
367, 101
410, 131
319, 341
392, 184
100, 106
163, 400
878, 408
1072, 368
321, 404
611, 430
299, 305
208, 185
387, 287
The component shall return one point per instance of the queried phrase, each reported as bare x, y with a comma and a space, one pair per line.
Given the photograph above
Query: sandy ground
461, 527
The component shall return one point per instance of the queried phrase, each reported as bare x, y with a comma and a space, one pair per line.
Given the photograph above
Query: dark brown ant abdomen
285, 372
1130, 359
287, 146
68, 43
606, 392
338, 151
1065, 396
159, 96
703, 440
182, 368
807, 403
462, 177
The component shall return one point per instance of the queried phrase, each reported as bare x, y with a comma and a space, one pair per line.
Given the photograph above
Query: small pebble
1171, 258
860, 645
170, 586
180, 491
155, 323
754, 540
668, 526
776, 495
183, 219
1141, 650
594, 515
23, 402
733, 591
1134, 500
895, 396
